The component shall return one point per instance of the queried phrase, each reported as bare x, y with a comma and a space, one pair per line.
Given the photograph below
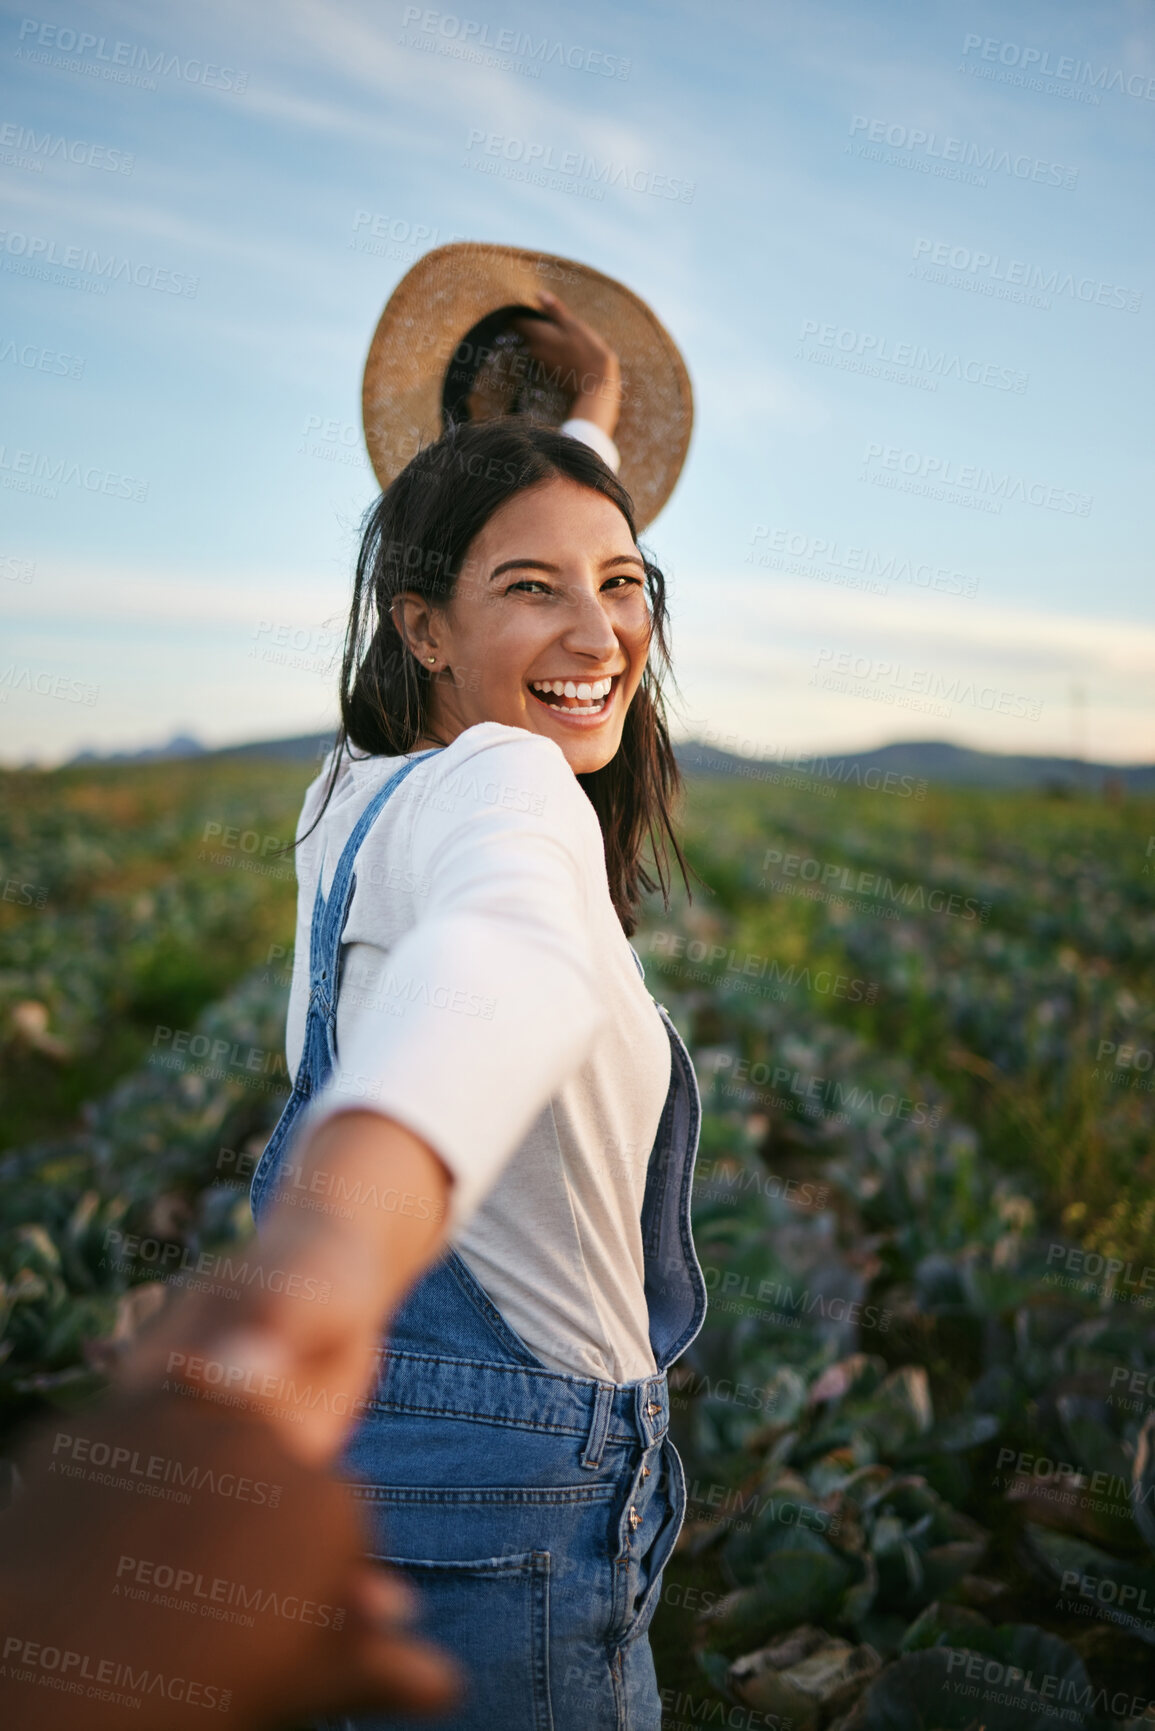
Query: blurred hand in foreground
181, 1546
162, 1558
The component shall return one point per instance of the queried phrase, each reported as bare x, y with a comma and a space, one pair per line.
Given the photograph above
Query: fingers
555, 308
550, 304
374, 1663
253, 1350
396, 1672
382, 1597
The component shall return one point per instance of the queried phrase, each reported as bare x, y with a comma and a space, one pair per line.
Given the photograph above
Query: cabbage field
919, 1424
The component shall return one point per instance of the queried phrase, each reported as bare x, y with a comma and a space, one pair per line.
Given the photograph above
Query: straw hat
452, 289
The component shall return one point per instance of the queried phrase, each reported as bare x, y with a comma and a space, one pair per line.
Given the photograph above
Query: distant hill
932, 761
180, 745
301, 748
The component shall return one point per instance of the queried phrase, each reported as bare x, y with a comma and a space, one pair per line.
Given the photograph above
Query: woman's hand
588, 365
294, 1341
291, 1330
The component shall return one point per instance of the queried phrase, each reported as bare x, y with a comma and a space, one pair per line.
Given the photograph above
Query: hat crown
453, 289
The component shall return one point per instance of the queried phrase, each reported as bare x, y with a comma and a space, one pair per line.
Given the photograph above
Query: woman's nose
589, 627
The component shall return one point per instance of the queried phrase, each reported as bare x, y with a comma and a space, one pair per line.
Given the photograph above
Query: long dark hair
416, 538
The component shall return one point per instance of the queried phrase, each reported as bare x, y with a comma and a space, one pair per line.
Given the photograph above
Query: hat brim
452, 288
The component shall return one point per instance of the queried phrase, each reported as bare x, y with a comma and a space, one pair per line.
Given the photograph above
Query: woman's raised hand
588, 366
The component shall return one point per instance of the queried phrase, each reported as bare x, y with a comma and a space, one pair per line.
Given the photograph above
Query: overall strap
319, 1050
331, 913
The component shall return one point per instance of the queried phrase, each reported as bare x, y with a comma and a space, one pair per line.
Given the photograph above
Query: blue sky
911, 279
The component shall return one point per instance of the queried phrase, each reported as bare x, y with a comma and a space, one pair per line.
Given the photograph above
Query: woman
492, 1055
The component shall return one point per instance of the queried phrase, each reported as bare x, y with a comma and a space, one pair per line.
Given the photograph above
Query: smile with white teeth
577, 697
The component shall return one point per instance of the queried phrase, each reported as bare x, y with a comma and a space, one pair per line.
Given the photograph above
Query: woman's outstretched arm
361, 1214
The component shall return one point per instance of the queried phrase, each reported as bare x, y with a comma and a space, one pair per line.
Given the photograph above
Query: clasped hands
203, 1482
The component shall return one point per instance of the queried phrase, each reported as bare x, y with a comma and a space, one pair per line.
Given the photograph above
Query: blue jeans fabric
533, 1511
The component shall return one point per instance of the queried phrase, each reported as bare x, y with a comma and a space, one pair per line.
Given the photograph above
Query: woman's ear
412, 615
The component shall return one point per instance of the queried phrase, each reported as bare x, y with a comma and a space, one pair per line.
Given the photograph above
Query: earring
433, 658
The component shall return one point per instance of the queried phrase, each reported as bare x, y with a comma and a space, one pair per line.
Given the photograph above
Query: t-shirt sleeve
483, 1008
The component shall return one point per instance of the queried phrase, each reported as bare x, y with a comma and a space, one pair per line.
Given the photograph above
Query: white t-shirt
491, 1003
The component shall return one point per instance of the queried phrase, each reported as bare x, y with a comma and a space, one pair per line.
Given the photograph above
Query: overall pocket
492, 1615
514, 1580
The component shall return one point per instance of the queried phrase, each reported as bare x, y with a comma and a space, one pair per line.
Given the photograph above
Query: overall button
635, 1519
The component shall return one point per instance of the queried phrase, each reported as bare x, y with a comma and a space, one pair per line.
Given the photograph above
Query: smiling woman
503, 558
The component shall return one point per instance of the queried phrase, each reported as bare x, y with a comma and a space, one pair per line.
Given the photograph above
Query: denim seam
497, 1419
521, 1563
482, 1496
540, 1588
685, 1230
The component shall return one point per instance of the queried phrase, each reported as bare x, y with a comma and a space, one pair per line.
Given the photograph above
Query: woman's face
552, 589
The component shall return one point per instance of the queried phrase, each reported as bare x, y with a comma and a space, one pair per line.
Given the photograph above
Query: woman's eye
535, 583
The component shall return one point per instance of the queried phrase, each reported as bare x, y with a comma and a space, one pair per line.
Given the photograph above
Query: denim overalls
533, 1511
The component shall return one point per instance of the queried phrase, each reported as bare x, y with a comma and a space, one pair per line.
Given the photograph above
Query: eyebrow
543, 565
